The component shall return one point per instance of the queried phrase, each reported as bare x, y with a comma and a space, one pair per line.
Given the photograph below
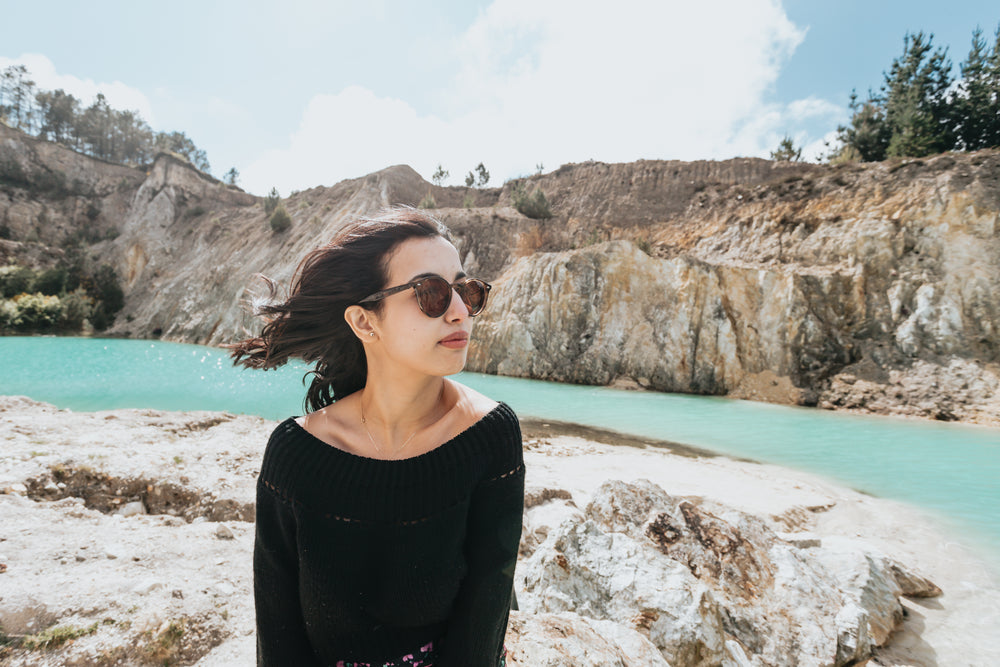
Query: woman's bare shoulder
475, 404
333, 423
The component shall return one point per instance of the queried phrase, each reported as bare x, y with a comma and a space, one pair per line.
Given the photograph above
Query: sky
306, 93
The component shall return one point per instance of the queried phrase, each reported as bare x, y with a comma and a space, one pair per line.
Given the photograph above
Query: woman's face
434, 346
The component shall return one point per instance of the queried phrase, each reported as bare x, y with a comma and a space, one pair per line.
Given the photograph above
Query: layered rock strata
866, 287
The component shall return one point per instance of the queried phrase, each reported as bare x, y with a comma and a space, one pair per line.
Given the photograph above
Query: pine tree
440, 175
787, 151
867, 137
57, 111
992, 128
483, 175
915, 99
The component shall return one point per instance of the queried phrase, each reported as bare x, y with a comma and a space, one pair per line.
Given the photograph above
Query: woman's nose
457, 310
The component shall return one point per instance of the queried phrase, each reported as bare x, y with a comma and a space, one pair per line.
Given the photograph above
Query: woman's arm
479, 618
281, 632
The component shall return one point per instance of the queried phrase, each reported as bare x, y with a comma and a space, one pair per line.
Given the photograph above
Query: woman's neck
395, 409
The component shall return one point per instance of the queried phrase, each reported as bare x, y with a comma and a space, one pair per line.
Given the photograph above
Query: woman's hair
310, 324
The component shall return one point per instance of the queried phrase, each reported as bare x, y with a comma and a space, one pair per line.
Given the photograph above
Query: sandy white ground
70, 563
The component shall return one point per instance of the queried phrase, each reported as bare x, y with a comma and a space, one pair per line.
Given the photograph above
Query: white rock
570, 640
706, 589
132, 509
147, 586
802, 540
223, 532
868, 580
116, 551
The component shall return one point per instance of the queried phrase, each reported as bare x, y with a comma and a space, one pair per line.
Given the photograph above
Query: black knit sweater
365, 559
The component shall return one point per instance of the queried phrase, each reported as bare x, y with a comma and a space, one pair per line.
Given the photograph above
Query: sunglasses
434, 294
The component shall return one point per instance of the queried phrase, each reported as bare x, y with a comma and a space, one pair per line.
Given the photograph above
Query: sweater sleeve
281, 633
479, 617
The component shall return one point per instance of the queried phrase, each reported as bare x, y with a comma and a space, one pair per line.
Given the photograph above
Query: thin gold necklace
364, 422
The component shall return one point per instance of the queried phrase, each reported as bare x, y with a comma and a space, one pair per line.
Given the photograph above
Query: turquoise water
951, 469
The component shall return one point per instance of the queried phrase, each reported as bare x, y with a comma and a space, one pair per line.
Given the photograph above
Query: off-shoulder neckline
337, 451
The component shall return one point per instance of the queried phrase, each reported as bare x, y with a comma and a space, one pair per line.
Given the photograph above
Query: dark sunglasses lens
473, 293
434, 296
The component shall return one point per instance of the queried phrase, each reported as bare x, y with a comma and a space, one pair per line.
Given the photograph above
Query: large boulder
711, 588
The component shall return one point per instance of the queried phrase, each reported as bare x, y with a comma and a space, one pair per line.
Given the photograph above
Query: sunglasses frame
455, 286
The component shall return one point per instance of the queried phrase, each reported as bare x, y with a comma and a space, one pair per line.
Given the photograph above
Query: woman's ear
362, 323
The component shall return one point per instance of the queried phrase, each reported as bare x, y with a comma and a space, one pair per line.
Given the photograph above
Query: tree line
98, 130
921, 109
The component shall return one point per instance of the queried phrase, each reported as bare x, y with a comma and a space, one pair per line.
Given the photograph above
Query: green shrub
107, 289
427, 202
56, 636
38, 311
15, 280
50, 181
99, 318
271, 201
533, 205
280, 220
469, 201
9, 316
50, 281
194, 212
77, 307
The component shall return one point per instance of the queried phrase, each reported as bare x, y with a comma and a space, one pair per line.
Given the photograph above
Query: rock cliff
870, 287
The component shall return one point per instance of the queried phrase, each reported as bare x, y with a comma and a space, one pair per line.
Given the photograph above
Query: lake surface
951, 469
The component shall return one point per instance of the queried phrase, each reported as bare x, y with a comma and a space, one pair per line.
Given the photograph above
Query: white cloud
566, 81
813, 107
119, 95
349, 135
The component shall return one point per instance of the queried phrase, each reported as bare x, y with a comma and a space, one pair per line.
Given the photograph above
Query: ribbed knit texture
363, 559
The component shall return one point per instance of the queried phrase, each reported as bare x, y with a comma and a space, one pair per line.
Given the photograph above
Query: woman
388, 518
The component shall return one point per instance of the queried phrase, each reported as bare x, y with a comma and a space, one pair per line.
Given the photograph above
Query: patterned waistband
422, 658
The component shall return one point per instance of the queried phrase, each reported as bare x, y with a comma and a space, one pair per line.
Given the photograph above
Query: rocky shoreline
867, 287
127, 537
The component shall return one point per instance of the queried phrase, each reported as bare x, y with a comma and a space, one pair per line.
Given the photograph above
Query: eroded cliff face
872, 287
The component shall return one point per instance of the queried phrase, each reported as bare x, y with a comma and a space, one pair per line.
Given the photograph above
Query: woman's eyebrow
458, 276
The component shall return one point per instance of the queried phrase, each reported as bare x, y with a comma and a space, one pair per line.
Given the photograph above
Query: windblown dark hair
310, 325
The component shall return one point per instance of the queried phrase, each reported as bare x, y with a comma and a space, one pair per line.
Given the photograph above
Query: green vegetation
280, 220
440, 175
533, 205
163, 646
787, 151
56, 636
122, 137
60, 298
194, 212
480, 178
427, 201
920, 110
271, 201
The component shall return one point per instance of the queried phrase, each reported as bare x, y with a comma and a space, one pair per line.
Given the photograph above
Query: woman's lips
455, 341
